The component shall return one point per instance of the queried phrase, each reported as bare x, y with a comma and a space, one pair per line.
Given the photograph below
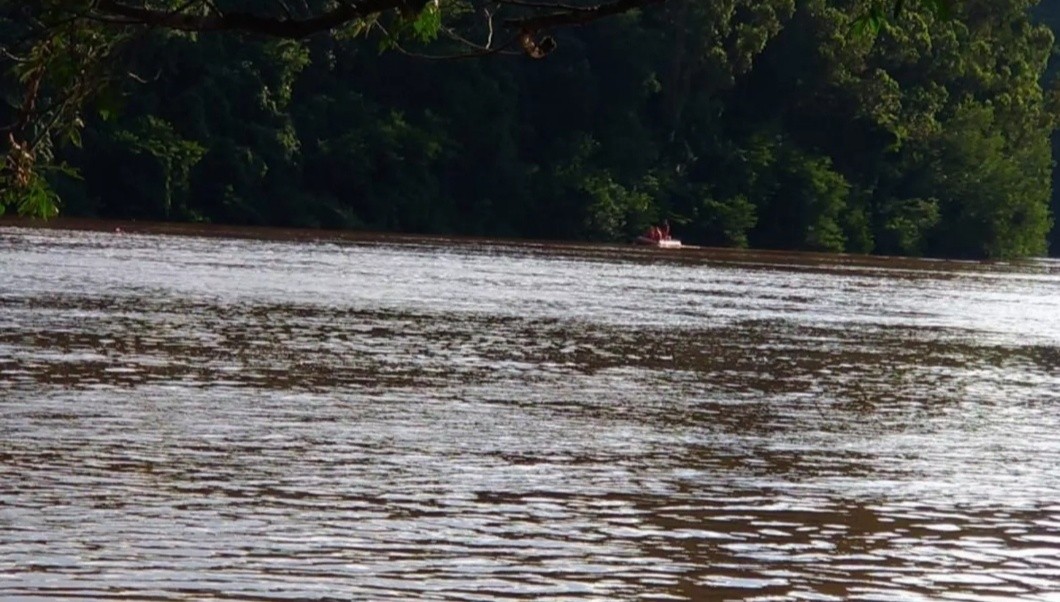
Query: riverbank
686, 254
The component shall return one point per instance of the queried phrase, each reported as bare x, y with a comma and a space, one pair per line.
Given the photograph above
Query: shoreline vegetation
764, 124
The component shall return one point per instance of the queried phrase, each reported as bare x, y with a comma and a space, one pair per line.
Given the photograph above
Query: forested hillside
768, 123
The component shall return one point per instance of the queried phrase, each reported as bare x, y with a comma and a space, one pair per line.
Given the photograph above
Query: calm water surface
190, 418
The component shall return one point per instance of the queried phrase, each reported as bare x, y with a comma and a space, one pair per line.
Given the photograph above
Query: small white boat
666, 243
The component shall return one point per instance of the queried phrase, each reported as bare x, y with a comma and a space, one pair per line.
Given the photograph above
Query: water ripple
214, 419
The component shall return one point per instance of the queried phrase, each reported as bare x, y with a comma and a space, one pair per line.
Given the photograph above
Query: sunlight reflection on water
201, 418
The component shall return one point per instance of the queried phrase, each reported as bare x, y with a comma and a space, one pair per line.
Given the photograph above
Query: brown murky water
188, 418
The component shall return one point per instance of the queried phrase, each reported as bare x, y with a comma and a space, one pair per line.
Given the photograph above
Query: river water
204, 418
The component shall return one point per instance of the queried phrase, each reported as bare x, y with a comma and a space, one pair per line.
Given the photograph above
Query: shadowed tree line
834, 125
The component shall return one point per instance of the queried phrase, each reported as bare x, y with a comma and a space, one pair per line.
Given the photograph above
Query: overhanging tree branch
280, 27
576, 15
558, 15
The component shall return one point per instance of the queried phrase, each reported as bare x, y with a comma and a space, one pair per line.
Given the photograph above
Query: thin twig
479, 51
11, 57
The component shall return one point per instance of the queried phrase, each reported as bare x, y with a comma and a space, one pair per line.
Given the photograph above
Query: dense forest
764, 123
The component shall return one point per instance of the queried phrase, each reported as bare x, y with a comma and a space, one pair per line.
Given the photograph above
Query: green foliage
427, 24
995, 201
614, 211
769, 123
729, 220
38, 200
33, 199
826, 193
907, 222
879, 13
805, 211
174, 156
1048, 14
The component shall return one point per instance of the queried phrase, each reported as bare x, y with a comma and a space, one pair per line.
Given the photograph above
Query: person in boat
656, 233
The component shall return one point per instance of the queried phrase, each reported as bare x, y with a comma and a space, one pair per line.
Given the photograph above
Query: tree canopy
837, 125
